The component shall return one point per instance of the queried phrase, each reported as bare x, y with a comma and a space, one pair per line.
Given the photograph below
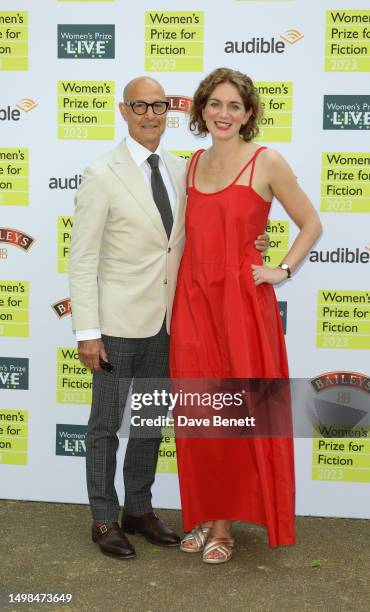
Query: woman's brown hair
248, 94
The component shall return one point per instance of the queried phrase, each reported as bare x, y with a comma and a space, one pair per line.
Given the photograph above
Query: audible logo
341, 255
13, 373
346, 112
262, 45
86, 41
9, 113
66, 182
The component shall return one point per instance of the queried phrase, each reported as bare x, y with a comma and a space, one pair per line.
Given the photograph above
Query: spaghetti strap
192, 167
252, 161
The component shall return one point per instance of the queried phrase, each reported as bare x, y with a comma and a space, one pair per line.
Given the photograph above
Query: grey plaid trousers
141, 360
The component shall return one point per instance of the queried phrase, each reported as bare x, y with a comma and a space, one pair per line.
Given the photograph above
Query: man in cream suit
126, 247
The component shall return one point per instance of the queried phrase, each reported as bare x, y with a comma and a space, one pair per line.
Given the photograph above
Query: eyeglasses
140, 107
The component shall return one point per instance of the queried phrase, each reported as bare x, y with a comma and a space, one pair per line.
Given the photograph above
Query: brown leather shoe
112, 541
151, 527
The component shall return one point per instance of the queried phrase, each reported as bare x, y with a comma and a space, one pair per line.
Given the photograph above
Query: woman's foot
219, 543
195, 540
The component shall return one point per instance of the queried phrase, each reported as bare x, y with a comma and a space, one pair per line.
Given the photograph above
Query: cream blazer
123, 268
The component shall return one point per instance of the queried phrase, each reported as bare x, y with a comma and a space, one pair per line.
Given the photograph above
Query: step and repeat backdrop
63, 65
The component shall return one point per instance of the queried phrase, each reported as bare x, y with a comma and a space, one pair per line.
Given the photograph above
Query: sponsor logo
13, 113
16, 238
65, 182
26, 104
346, 113
292, 36
341, 379
340, 419
341, 255
86, 41
70, 440
262, 45
13, 373
62, 308
178, 104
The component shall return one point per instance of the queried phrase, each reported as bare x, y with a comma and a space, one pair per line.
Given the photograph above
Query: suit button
169, 250
165, 282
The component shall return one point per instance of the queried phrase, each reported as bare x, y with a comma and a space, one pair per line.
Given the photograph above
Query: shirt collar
138, 152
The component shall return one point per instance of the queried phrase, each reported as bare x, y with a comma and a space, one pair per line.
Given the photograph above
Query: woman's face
224, 112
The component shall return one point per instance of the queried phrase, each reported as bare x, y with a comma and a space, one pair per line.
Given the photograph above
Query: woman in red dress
226, 322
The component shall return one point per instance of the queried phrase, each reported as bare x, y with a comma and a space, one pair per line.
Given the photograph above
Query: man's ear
123, 110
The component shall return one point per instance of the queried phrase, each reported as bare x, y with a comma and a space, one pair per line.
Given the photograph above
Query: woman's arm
284, 187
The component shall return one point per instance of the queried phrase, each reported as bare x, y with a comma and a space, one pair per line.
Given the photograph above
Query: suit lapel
128, 172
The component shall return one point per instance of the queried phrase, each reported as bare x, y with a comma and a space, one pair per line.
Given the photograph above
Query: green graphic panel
345, 182
347, 47
13, 437
278, 232
14, 308
85, 110
343, 319
74, 380
174, 41
13, 40
65, 224
342, 459
14, 181
167, 461
277, 104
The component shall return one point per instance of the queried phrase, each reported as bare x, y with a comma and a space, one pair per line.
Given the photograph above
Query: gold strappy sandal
199, 535
224, 546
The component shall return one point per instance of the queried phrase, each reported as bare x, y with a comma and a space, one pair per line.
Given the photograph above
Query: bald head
141, 83
146, 128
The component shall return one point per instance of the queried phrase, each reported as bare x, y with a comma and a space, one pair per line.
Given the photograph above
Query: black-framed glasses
159, 107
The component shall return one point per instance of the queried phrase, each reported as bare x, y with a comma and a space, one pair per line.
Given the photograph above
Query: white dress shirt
139, 154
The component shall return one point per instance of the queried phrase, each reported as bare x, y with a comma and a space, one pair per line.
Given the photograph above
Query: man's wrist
88, 334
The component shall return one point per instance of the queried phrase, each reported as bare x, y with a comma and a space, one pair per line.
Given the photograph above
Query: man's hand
262, 242
90, 352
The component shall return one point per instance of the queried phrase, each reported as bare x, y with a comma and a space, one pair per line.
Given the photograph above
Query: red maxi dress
224, 326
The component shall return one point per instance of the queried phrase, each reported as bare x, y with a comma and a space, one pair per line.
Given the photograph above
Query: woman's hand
272, 276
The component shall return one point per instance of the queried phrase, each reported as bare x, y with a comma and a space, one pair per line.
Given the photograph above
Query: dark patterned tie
160, 194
